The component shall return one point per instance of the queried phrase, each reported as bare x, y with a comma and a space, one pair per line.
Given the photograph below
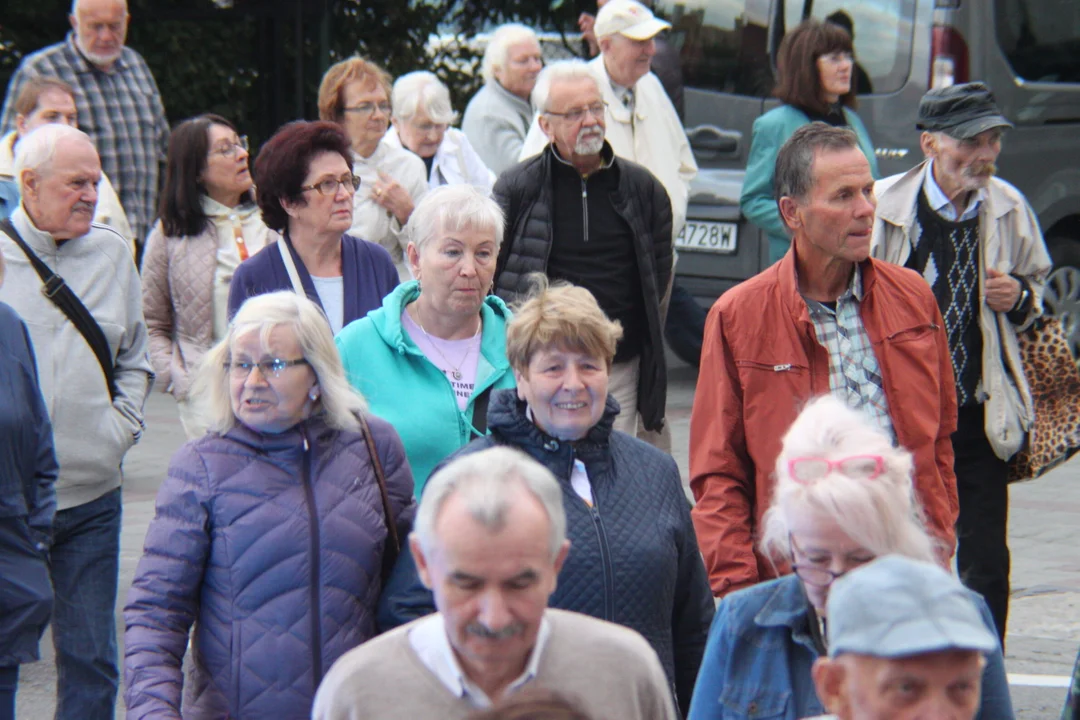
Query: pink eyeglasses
859, 467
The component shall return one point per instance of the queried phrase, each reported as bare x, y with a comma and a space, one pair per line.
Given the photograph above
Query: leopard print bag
1052, 375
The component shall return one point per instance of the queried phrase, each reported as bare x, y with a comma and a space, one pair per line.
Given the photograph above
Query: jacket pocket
754, 703
918, 333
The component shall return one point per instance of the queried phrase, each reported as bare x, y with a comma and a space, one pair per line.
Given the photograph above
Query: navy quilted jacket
633, 558
272, 546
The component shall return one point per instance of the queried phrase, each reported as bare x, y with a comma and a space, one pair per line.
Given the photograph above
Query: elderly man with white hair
422, 119
498, 116
642, 124
618, 247
489, 540
117, 101
75, 284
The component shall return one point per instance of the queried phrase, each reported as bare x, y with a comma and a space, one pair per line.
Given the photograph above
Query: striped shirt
120, 109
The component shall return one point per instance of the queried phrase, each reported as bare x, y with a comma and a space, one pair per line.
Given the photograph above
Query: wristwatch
1024, 295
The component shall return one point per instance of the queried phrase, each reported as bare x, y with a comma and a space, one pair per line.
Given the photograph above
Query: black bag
54, 288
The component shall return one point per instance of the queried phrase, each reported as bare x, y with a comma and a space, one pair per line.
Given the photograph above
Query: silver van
1028, 51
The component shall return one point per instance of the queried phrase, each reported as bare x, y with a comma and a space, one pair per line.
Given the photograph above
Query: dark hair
798, 79
794, 173
284, 161
842, 19
533, 703
181, 208
30, 94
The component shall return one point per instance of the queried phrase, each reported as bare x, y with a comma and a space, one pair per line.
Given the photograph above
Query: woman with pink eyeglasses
843, 497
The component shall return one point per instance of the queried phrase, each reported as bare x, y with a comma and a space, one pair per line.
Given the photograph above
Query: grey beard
589, 145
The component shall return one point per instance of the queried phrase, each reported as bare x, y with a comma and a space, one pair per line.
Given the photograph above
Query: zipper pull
782, 368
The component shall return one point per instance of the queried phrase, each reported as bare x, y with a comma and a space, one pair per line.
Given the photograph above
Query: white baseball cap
629, 18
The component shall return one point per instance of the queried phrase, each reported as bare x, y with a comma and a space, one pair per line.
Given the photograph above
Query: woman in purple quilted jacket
270, 530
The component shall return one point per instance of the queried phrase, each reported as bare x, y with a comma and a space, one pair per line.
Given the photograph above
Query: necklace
455, 369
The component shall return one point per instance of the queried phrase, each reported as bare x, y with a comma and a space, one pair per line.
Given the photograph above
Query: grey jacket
92, 433
1010, 242
496, 122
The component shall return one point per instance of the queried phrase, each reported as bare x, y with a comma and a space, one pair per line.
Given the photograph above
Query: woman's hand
390, 194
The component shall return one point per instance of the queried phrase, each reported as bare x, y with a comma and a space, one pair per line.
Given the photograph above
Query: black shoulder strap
54, 288
479, 413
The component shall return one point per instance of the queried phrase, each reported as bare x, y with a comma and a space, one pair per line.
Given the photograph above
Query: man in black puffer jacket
577, 213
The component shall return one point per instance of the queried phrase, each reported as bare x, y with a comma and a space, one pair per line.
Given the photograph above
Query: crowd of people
484, 520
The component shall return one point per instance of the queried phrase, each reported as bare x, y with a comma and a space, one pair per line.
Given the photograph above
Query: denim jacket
759, 654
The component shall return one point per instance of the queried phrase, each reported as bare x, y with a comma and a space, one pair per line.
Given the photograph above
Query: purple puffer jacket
272, 545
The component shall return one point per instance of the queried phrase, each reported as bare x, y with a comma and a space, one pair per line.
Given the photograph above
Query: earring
314, 395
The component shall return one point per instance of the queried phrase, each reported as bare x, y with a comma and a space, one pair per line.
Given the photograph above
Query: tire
1062, 298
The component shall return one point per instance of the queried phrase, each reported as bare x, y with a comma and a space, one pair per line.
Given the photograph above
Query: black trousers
982, 530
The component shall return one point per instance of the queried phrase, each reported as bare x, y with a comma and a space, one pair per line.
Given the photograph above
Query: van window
1040, 38
883, 32
723, 44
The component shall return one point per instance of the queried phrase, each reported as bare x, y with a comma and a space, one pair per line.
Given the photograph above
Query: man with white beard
117, 100
579, 213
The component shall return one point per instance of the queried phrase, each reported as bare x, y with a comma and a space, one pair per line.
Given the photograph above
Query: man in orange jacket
825, 318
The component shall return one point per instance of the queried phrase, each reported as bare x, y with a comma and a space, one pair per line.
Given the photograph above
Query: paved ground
1044, 625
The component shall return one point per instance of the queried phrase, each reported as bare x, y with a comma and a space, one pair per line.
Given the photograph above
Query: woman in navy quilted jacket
270, 530
634, 558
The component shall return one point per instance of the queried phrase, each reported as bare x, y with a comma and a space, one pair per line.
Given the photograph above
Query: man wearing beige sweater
489, 540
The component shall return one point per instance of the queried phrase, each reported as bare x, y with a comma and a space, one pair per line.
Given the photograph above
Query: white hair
498, 48
452, 208
882, 515
562, 70
75, 5
488, 482
338, 401
37, 149
422, 90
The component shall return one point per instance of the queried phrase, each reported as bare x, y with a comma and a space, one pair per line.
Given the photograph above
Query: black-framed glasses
578, 114
273, 367
815, 575
368, 108
329, 186
230, 150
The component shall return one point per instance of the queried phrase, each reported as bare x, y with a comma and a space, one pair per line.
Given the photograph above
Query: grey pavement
1044, 622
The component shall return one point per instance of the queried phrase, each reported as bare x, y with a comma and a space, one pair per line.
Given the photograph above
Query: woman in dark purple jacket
270, 531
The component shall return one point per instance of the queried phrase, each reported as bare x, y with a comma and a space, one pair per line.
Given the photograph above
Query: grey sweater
91, 432
610, 671
496, 122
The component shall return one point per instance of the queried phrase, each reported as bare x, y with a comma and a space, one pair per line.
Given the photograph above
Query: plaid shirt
121, 111
854, 375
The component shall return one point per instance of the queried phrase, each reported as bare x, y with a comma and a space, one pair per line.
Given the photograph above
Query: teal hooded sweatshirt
404, 388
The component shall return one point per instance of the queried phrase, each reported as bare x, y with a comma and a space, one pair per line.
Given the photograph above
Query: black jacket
524, 192
633, 558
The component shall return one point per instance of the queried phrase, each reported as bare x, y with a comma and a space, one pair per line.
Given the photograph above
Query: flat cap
961, 111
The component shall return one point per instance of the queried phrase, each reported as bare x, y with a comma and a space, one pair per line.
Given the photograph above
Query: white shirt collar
429, 641
940, 202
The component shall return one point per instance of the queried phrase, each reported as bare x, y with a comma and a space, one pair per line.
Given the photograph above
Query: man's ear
421, 561
545, 126
829, 675
929, 144
74, 21
29, 182
789, 212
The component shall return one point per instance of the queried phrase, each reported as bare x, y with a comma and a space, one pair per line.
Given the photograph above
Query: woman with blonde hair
271, 531
843, 497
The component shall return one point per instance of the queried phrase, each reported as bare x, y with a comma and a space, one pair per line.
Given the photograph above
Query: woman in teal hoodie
814, 70
428, 359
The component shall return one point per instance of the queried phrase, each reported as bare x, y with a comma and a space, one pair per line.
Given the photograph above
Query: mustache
981, 169
89, 207
485, 633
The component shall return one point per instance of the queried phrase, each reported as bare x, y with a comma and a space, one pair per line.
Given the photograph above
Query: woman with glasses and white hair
843, 497
209, 224
270, 531
428, 359
306, 190
355, 94
422, 119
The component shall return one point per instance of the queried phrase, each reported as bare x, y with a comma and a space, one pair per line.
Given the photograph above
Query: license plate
706, 236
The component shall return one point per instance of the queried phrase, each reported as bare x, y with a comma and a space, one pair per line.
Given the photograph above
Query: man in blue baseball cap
905, 641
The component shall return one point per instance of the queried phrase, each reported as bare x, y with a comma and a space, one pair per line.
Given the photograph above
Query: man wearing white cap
905, 641
642, 124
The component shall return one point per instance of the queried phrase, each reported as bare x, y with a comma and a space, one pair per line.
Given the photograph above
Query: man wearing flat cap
906, 640
976, 241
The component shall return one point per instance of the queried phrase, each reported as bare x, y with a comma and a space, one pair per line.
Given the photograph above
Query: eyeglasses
578, 114
858, 467
368, 108
819, 576
429, 127
269, 368
329, 186
838, 57
230, 150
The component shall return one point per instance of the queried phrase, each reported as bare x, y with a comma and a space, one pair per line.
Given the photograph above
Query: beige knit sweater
610, 671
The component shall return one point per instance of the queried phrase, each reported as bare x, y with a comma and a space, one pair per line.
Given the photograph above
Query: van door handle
711, 139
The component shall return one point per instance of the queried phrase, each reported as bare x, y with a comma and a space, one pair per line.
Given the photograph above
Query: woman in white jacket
421, 123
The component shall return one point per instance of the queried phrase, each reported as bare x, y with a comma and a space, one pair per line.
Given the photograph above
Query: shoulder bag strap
394, 546
479, 413
290, 267
54, 288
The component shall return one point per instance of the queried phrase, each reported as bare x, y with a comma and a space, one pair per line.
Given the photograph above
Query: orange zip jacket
761, 363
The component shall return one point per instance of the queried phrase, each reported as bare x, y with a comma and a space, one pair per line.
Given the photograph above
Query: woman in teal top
814, 66
428, 359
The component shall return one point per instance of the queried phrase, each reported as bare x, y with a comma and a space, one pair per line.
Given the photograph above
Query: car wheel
1062, 299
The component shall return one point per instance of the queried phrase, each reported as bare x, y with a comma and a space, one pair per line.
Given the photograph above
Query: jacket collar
786, 606
788, 283
615, 109
81, 65
898, 195
507, 415
506, 95
312, 431
607, 156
